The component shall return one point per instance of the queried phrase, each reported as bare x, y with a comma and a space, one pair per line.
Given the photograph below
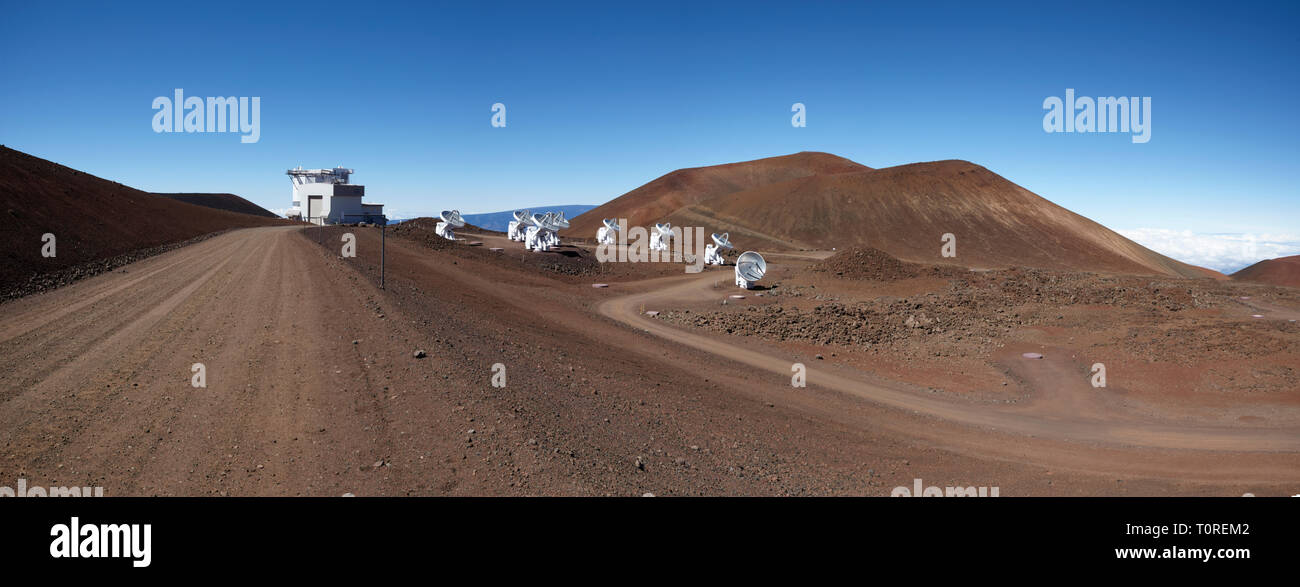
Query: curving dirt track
1054, 414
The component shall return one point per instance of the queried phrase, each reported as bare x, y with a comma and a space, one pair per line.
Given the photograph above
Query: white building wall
338, 203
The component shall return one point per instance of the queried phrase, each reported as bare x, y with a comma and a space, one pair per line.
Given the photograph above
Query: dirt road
95, 378
312, 389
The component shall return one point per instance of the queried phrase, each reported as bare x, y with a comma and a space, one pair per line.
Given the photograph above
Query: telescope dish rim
751, 266
452, 217
560, 221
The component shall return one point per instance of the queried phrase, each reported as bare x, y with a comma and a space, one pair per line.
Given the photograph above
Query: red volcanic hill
92, 219
229, 202
688, 188
1279, 271
821, 201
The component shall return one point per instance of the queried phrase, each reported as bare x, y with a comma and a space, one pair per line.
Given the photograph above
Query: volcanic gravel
980, 308
875, 264
43, 282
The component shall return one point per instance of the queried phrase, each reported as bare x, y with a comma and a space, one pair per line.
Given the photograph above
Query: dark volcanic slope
816, 200
92, 219
1279, 271
228, 202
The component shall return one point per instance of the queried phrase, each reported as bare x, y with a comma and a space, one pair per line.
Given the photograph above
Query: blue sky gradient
601, 98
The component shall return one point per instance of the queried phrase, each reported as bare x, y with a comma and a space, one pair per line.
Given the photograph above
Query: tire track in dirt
282, 413
856, 420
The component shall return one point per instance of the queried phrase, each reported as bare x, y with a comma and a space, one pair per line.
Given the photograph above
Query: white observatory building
324, 196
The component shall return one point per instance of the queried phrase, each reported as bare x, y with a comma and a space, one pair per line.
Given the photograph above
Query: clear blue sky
601, 98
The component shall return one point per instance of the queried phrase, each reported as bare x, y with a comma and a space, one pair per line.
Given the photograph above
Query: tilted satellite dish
541, 235
450, 219
548, 222
607, 234
711, 254
515, 229
453, 218
750, 268
557, 223
660, 236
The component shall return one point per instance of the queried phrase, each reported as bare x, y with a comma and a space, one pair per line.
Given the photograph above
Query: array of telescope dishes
538, 232
450, 219
750, 267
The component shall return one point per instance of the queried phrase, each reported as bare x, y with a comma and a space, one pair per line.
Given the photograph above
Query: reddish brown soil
315, 386
1280, 271
874, 264
819, 201
98, 224
317, 392
659, 199
1175, 349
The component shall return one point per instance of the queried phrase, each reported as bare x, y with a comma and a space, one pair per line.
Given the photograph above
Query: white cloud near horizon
1223, 252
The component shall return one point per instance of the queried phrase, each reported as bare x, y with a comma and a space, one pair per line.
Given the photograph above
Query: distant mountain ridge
93, 220
500, 221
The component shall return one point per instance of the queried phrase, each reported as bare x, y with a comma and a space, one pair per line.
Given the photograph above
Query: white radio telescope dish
750, 268
450, 219
607, 234
453, 218
560, 220
660, 236
712, 256
548, 221
515, 229
541, 236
